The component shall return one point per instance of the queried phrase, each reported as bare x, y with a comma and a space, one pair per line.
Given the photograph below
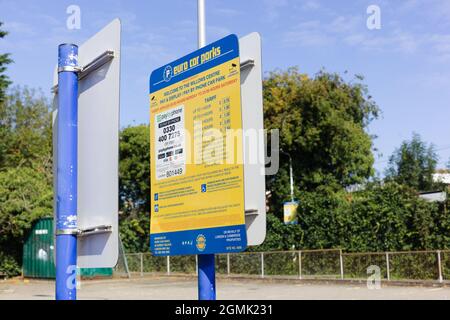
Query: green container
38, 251
38, 254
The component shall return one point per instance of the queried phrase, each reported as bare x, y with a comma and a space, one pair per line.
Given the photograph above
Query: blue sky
406, 63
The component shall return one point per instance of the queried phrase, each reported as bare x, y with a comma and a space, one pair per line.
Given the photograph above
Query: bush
382, 217
9, 265
25, 196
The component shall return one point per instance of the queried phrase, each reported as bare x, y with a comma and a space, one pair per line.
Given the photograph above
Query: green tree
388, 217
25, 196
322, 122
25, 134
134, 190
25, 171
4, 61
413, 164
280, 236
322, 219
382, 217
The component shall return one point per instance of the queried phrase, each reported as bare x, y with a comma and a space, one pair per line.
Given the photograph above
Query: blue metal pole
66, 202
206, 277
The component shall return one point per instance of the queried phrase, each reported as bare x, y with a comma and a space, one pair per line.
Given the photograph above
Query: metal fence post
142, 264
262, 264
441, 279
388, 269
341, 264
124, 256
300, 265
168, 265
228, 264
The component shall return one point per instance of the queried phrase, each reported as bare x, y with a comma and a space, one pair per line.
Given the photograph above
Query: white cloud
311, 5
151, 53
345, 24
351, 31
215, 32
307, 33
226, 12
440, 44
272, 8
397, 41
19, 28
431, 80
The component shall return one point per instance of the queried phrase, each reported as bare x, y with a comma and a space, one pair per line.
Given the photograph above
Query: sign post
197, 169
206, 263
197, 180
86, 156
206, 197
66, 202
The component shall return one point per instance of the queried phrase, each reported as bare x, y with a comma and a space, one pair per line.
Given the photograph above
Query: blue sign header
196, 62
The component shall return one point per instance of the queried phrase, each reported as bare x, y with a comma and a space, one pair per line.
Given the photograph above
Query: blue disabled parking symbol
203, 188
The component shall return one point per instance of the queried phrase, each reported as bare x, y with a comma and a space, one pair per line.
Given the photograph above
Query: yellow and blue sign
197, 192
290, 212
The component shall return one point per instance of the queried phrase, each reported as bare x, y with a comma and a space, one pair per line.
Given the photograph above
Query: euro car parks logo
200, 242
167, 73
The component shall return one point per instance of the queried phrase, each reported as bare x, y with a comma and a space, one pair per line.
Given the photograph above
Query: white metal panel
441, 178
434, 196
253, 125
98, 149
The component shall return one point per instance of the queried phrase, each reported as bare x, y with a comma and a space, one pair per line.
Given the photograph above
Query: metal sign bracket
251, 212
249, 63
86, 231
86, 70
94, 230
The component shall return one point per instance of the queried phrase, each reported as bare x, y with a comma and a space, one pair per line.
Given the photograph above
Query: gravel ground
174, 288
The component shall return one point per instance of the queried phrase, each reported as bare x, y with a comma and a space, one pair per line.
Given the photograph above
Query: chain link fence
305, 264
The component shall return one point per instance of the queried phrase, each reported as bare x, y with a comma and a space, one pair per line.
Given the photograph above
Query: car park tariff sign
197, 172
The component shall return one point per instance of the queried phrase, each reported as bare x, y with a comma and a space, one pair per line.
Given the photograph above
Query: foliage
25, 171
382, 217
413, 164
25, 130
397, 219
134, 189
280, 236
322, 123
25, 196
4, 61
9, 264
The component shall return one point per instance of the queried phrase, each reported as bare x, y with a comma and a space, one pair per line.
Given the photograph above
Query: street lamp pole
291, 174
206, 262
